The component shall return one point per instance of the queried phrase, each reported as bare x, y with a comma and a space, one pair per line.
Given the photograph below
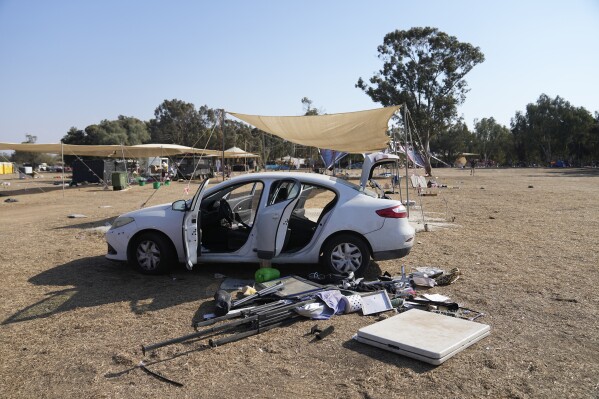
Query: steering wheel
225, 211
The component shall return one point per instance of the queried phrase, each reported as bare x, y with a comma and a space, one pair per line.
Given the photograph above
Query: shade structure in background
109, 151
236, 152
352, 132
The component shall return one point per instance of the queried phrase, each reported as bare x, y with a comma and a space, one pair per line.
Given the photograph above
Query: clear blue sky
74, 63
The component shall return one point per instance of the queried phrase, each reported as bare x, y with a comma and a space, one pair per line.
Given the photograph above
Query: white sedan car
276, 217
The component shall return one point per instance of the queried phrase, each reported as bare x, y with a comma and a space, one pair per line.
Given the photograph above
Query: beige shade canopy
353, 132
117, 151
236, 152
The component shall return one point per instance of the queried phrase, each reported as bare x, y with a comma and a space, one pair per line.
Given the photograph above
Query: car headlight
121, 221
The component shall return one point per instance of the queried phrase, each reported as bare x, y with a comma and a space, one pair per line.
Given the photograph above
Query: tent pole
406, 127
222, 130
124, 162
62, 169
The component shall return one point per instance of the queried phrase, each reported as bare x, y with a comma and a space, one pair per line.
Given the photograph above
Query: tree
453, 141
32, 158
178, 122
122, 131
493, 140
553, 129
308, 110
424, 69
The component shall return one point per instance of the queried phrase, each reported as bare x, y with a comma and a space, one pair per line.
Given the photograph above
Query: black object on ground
253, 321
222, 302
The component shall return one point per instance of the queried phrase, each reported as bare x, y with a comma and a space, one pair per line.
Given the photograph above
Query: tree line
423, 69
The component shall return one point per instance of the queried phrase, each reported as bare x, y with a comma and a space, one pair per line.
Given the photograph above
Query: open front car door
192, 235
273, 220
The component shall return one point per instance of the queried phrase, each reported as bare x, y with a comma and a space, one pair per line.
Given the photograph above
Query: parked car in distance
282, 217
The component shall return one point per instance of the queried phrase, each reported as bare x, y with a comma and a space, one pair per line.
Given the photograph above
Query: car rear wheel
151, 254
346, 253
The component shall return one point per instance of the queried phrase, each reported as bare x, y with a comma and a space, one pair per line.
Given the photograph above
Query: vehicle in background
193, 168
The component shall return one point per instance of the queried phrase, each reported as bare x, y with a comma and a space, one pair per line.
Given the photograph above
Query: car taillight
395, 212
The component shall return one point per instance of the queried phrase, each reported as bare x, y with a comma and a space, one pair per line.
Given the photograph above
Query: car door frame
192, 235
272, 221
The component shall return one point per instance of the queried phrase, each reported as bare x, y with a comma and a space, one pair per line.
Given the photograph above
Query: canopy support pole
62, 169
406, 127
222, 130
124, 162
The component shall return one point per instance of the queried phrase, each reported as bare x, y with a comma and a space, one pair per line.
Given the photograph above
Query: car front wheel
151, 254
346, 253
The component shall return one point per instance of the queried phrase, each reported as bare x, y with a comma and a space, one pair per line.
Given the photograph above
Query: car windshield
354, 186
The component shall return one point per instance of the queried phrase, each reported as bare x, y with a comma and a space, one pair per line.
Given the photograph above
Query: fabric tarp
352, 132
236, 152
117, 151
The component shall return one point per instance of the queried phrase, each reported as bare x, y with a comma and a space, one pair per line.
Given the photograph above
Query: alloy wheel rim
346, 257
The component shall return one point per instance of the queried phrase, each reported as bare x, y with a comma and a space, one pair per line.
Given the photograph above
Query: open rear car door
373, 161
192, 235
273, 220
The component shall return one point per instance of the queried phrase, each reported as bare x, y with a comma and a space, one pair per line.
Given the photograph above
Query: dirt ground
72, 322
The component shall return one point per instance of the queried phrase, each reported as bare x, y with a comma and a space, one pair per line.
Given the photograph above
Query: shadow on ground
388, 357
96, 281
575, 172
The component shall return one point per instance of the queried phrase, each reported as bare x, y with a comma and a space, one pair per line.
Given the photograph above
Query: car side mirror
179, 205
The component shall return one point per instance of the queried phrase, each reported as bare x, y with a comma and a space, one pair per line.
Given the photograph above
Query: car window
354, 187
243, 199
314, 201
282, 190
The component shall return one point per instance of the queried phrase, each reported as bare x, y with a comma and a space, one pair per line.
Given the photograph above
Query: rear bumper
392, 254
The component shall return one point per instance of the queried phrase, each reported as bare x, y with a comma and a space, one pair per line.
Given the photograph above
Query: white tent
353, 132
236, 152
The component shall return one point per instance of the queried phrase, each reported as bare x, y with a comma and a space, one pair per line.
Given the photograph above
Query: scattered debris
235, 283
285, 300
321, 334
9, 200
142, 366
560, 299
76, 216
449, 278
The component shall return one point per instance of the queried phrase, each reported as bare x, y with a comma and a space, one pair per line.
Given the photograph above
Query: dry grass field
526, 241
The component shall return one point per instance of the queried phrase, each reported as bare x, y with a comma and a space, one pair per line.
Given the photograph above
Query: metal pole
124, 162
406, 127
222, 129
62, 169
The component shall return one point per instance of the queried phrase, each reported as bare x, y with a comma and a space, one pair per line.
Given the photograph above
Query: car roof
314, 178
284, 175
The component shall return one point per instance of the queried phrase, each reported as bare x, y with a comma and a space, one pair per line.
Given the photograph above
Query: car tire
151, 253
346, 253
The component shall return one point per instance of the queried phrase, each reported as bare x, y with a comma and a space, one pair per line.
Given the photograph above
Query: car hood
156, 210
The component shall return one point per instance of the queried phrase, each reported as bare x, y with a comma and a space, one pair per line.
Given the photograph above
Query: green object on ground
167, 182
142, 183
119, 180
156, 184
266, 274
